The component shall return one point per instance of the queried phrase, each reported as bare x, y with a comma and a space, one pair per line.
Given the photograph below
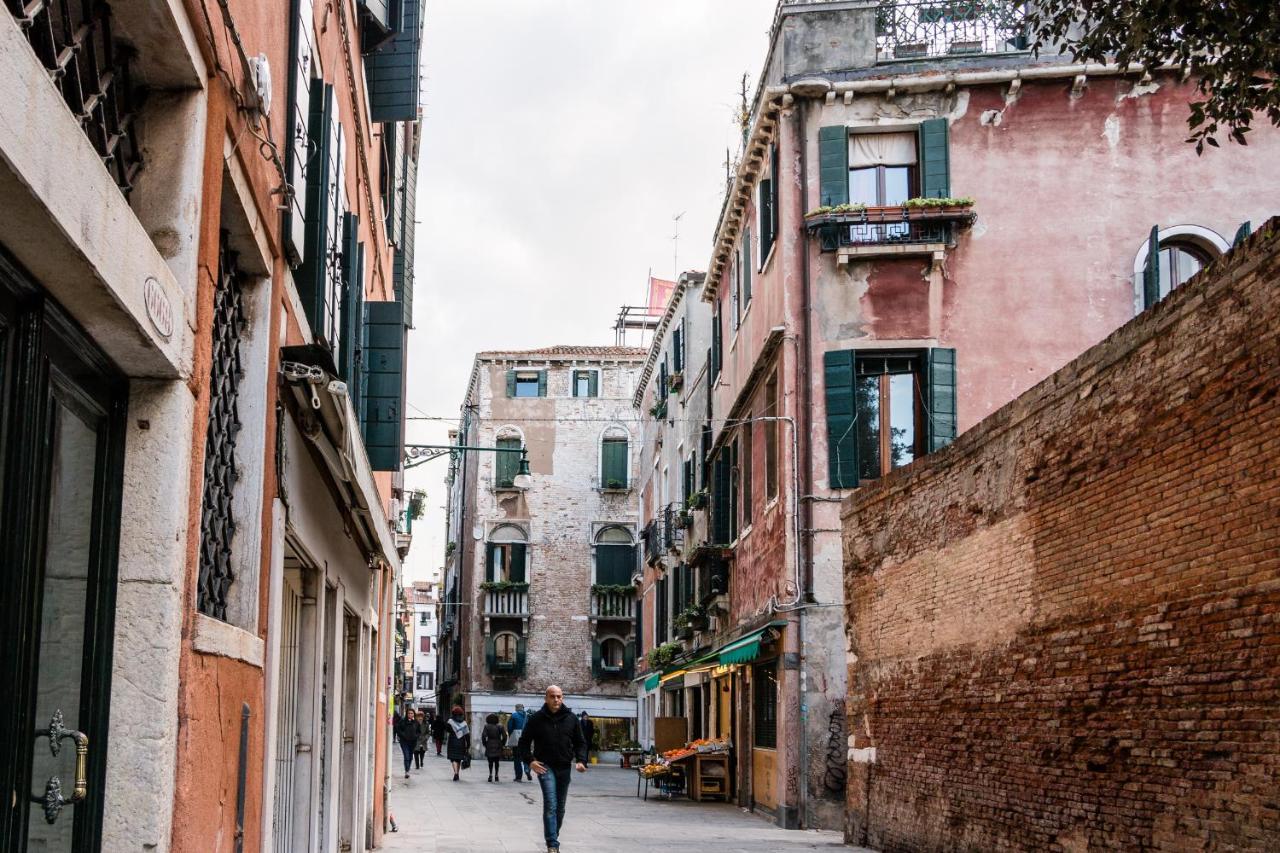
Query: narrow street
604, 816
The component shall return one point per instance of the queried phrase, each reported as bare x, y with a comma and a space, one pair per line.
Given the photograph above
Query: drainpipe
806, 474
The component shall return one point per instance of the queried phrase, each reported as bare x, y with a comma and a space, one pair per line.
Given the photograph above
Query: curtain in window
882, 149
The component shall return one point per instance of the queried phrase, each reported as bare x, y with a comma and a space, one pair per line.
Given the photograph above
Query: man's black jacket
554, 739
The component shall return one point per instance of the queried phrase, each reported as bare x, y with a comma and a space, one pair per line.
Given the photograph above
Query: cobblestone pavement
438, 815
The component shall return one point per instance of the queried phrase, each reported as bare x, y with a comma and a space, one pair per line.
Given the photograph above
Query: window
771, 438
506, 555
889, 415
717, 335
424, 618
424, 645
882, 168
764, 705
1180, 253
724, 502
526, 383
504, 649
615, 557
586, 383
612, 651
745, 464
1179, 261
507, 465
661, 628
688, 487
767, 207
677, 348
735, 294
745, 269
614, 461
424, 681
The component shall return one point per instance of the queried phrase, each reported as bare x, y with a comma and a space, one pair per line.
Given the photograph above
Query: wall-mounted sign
159, 308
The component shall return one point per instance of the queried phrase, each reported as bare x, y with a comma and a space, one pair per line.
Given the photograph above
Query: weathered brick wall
1063, 629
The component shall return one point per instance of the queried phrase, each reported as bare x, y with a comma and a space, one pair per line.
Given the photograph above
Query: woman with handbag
459, 748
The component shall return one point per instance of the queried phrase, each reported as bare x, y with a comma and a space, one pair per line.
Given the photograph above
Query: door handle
52, 799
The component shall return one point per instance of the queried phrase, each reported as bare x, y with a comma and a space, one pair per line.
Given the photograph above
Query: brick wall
1062, 629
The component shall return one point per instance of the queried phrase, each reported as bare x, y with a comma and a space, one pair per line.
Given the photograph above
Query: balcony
854, 232
923, 29
652, 536
613, 603
509, 601
674, 522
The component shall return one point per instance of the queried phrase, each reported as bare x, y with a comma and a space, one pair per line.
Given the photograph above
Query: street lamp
416, 454
523, 479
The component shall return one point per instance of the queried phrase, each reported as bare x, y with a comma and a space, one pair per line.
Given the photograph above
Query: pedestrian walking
588, 731
553, 746
424, 739
438, 731
407, 733
459, 749
493, 738
515, 728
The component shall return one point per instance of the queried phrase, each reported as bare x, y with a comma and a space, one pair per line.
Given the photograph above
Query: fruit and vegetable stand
699, 770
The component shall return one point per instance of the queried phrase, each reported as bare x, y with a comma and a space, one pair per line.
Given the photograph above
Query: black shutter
391, 72
935, 158
312, 275
721, 499
842, 435
1151, 273
296, 154
488, 561
941, 418
518, 557
746, 267
833, 165
715, 346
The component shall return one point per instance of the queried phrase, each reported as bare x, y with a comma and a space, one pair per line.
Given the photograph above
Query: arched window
615, 556
615, 459
507, 464
506, 555
504, 649
612, 651
1183, 251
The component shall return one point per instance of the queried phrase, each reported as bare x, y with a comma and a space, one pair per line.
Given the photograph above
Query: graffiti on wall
833, 780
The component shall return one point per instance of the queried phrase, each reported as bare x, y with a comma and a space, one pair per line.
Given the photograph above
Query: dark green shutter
352, 295
935, 159
613, 459
520, 655
842, 437
1242, 233
941, 420
507, 465
489, 548
383, 358
628, 659
312, 275
490, 657
833, 165
402, 276
573, 383
542, 383
775, 191
391, 72
296, 154
596, 666
518, 555
1151, 273
593, 383
660, 626
614, 564
765, 205
511, 383
746, 267
716, 334
677, 348
721, 499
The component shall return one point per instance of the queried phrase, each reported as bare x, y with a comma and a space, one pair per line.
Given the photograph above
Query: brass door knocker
52, 799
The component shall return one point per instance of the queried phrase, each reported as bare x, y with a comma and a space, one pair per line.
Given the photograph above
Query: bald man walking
553, 746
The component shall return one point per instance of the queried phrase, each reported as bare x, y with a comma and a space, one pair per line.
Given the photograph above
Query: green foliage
1230, 48
950, 201
664, 654
687, 616
417, 504
612, 589
836, 209
659, 409
504, 586
697, 500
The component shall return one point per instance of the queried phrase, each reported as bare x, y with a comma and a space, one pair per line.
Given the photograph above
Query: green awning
746, 648
652, 681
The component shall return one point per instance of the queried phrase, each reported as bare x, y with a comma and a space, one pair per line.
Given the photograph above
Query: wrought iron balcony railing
888, 226
613, 605
918, 29
73, 40
652, 537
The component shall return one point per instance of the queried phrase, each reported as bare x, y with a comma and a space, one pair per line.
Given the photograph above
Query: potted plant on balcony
615, 485
660, 656
659, 410
949, 204
675, 382
505, 586
697, 500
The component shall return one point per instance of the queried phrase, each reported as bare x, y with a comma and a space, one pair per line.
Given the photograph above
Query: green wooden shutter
764, 203
613, 458
775, 190
593, 383
941, 394
596, 667
1242, 233
488, 561
715, 344
511, 383
519, 556
383, 359
391, 72
296, 154
490, 656
352, 295
507, 465
1151, 272
746, 267
614, 564
935, 158
542, 383
628, 659
311, 277
721, 499
842, 437
402, 276
833, 165
520, 655
573, 382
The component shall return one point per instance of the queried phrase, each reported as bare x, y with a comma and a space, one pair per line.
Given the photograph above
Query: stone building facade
426, 638
892, 264
1062, 629
538, 583
184, 289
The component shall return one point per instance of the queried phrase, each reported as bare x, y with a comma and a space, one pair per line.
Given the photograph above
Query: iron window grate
73, 40
217, 522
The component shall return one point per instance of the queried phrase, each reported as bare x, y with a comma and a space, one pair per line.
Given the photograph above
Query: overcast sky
559, 141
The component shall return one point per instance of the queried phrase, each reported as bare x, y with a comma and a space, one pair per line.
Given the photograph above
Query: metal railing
507, 602
888, 226
652, 541
672, 527
73, 40
613, 605
917, 29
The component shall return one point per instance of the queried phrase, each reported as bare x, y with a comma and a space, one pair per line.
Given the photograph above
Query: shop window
764, 708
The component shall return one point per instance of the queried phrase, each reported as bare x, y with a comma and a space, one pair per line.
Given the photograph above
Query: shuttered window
526, 383
318, 277
350, 346
833, 165
677, 348
613, 463
746, 268
391, 71
505, 561
586, 383
764, 705
615, 563
402, 277
722, 502
935, 158
383, 360
767, 205
715, 344
296, 154
507, 465
661, 625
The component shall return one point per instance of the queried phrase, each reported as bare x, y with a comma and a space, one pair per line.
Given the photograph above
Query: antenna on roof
675, 247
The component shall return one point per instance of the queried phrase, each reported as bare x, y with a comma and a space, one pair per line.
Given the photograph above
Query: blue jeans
555, 792
522, 769
407, 749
